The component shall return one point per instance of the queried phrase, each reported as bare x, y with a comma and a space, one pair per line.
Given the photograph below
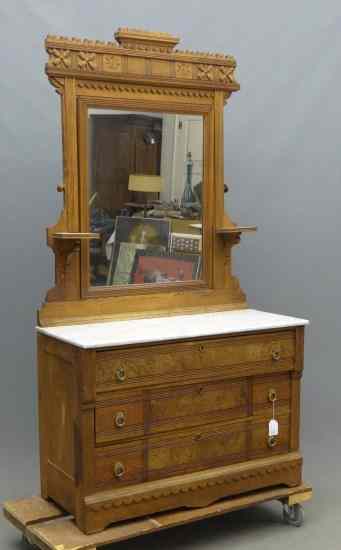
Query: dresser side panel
58, 407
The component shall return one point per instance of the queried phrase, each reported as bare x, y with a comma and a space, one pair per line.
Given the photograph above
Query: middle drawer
152, 411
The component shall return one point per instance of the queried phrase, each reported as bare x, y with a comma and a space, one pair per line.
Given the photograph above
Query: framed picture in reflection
151, 268
132, 234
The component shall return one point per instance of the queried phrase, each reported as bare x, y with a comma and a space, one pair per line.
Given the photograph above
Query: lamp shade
146, 183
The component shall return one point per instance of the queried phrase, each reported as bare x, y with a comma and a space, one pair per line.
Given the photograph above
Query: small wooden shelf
64, 236
236, 229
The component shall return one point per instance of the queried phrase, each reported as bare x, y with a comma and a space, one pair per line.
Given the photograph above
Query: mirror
145, 192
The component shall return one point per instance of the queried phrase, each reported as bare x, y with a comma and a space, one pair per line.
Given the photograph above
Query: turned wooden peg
61, 188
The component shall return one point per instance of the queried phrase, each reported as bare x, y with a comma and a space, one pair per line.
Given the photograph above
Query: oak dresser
160, 390
152, 414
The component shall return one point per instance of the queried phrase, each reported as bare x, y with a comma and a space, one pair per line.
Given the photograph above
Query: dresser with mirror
159, 388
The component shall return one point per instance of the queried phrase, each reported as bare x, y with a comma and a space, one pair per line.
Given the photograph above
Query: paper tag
273, 428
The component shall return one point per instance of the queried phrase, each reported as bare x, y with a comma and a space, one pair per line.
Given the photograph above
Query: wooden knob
61, 188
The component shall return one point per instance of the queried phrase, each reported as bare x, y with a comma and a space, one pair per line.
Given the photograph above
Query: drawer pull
276, 355
120, 374
120, 419
119, 470
272, 441
272, 395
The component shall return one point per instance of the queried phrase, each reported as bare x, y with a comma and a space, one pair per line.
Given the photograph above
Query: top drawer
195, 360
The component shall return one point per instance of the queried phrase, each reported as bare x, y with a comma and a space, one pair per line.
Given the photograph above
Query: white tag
273, 428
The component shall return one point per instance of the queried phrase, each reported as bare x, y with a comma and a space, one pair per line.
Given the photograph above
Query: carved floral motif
87, 61
183, 70
205, 72
60, 58
226, 74
112, 63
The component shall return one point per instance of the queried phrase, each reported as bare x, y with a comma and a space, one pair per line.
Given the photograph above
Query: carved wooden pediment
148, 57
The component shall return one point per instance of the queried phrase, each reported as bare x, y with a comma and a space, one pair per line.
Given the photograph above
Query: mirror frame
141, 71
151, 105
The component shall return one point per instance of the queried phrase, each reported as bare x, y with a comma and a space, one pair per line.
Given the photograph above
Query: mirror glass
145, 173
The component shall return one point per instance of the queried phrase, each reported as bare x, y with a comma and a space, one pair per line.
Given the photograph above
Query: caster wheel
293, 515
27, 543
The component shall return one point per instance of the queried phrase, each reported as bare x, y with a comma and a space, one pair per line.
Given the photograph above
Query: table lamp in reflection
144, 183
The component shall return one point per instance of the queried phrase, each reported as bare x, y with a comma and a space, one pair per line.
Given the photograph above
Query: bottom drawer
157, 457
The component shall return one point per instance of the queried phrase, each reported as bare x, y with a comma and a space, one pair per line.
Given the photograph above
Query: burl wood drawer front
162, 456
119, 465
174, 408
228, 356
122, 419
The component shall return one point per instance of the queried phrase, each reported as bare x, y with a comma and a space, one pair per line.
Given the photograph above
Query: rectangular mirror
145, 193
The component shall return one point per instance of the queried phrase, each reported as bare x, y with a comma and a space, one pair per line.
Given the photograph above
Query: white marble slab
159, 329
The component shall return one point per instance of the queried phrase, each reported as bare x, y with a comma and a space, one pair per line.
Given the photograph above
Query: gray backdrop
282, 162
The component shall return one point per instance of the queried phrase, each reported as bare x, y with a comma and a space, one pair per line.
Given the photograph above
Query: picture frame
152, 268
140, 233
125, 261
185, 243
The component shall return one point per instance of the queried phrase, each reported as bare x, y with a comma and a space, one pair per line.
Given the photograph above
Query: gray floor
260, 526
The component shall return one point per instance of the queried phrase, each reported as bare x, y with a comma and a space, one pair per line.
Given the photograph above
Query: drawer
265, 388
161, 456
261, 446
195, 360
155, 411
123, 419
122, 464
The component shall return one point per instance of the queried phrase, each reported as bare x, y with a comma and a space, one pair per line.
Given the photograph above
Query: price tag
273, 428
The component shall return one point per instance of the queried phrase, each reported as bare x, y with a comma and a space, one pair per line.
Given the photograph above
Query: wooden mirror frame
141, 71
156, 104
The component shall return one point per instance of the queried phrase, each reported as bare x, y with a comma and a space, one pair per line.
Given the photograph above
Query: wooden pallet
46, 526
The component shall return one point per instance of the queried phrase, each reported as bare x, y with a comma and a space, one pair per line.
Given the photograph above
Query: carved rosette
205, 72
59, 58
86, 61
183, 70
112, 63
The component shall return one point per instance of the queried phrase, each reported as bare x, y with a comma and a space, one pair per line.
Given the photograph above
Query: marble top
159, 329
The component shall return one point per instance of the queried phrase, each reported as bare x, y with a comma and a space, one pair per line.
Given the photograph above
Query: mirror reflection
145, 197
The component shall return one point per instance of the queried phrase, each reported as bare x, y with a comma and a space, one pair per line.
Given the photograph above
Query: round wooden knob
120, 419
119, 470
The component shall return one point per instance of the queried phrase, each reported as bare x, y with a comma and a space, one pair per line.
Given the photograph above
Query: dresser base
41, 523
193, 490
